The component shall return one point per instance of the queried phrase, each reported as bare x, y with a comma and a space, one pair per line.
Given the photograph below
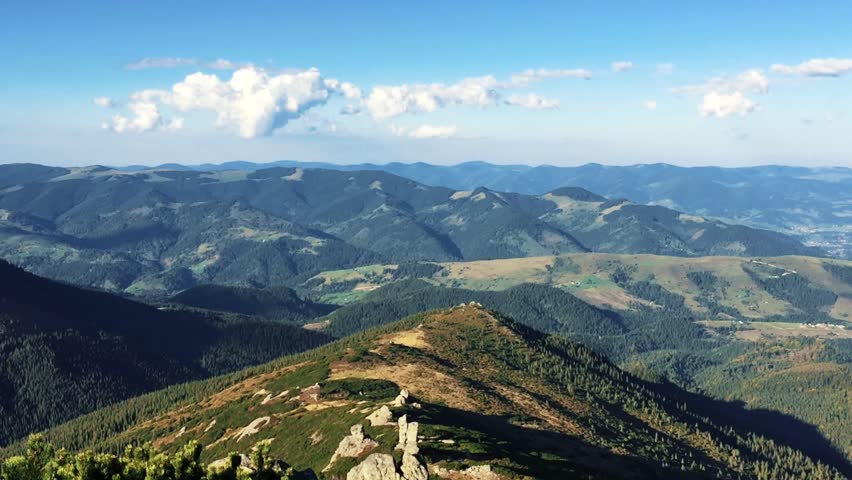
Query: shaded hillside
546, 309
156, 232
484, 390
275, 303
65, 351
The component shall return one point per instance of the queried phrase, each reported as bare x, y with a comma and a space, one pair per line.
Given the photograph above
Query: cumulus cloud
665, 68
749, 81
175, 124
253, 102
533, 75
350, 109
817, 67
531, 101
726, 95
433, 131
174, 62
386, 101
390, 101
105, 102
715, 104
622, 66
146, 116
651, 104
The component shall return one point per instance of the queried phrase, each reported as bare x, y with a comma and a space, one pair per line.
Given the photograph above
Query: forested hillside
485, 392
65, 351
811, 203
157, 232
767, 365
276, 303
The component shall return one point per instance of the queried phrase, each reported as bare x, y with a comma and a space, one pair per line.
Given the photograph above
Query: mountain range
157, 232
814, 204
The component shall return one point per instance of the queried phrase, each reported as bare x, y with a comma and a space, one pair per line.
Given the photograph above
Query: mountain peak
577, 193
481, 391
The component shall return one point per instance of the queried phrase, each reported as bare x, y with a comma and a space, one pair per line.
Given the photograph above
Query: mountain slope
65, 351
485, 392
155, 232
712, 287
280, 303
812, 203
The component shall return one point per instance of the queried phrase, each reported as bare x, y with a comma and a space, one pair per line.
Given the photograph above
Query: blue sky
722, 83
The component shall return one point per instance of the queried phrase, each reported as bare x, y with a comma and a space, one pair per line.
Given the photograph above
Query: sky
725, 83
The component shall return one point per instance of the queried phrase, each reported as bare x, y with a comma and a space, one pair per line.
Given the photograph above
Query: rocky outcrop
381, 417
353, 445
401, 399
224, 463
412, 468
252, 428
382, 466
407, 436
378, 466
476, 472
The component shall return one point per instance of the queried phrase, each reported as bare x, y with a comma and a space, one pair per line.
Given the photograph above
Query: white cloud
622, 66
817, 67
531, 101
253, 102
748, 81
347, 89
390, 101
726, 95
533, 75
146, 116
651, 104
350, 109
715, 104
105, 102
433, 131
174, 62
175, 124
665, 68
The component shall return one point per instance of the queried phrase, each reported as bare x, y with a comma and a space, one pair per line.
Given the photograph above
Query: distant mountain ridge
814, 203
156, 231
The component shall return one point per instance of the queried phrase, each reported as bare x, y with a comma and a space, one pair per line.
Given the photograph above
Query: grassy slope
503, 395
588, 276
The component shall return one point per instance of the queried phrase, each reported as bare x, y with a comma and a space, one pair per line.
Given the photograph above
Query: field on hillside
589, 276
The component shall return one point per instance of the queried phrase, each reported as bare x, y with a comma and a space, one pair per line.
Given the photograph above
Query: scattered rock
310, 394
378, 466
352, 445
210, 425
413, 468
476, 472
381, 417
223, 463
316, 437
481, 472
180, 432
407, 436
401, 399
252, 428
